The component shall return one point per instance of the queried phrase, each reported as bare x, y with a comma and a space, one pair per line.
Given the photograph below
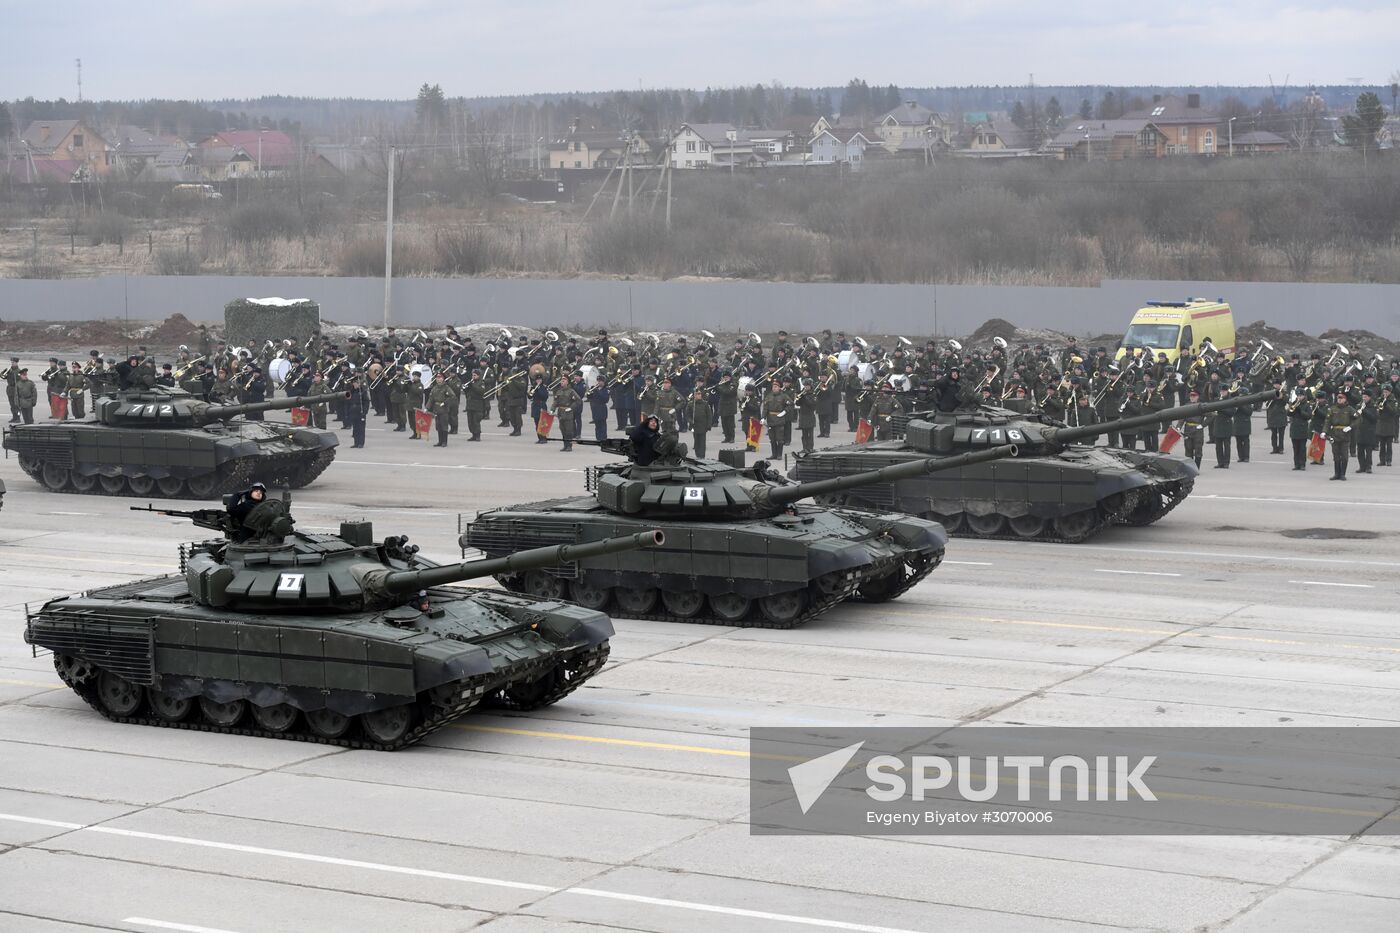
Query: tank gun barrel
784, 495
222, 412
408, 581
1070, 435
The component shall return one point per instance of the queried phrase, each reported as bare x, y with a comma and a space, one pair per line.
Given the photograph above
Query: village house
1258, 142
60, 150
1099, 140
837, 144
703, 145
913, 123
583, 149
1189, 128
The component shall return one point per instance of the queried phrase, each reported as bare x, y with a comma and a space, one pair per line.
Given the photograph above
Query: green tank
165, 442
331, 638
742, 548
1055, 490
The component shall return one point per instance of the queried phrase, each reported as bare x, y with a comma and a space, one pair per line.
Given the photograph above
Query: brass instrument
987, 379
1254, 367
496, 389
179, 373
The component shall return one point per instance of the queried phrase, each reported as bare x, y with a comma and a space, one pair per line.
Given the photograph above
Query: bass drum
867, 372
278, 370
423, 373
590, 374
744, 383
846, 359
537, 369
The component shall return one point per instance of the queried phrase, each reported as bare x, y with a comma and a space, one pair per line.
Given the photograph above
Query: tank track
581, 666
909, 583
755, 618
310, 471
1173, 494
235, 476
440, 717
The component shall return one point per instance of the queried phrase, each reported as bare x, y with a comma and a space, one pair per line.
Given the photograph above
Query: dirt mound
1361, 344
173, 331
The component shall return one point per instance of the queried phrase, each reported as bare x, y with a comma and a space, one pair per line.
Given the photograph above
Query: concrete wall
915, 310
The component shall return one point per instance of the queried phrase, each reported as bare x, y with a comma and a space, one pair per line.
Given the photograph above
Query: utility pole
80, 79
389, 238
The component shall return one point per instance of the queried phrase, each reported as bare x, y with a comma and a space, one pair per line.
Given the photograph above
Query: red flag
864, 431
422, 422
755, 433
58, 406
1316, 448
301, 417
546, 424
1169, 440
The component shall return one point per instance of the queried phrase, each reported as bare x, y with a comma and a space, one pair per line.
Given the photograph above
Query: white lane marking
1217, 555
449, 876
1139, 573
1384, 505
453, 466
969, 563
736, 911
1359, 586
167, 925
72, 513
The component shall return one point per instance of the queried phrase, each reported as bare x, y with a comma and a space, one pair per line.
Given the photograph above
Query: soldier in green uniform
76, 391
668, 403
11, 374
26, 396
727, 400
775, 413
442, 401
477, 405
398, 400
55, 382
699, 415
319, 410
455, 385
1387, 423
852, 388
1193, 431
1340, 419
751, 409
883, 410
561, 401
1319, 424
1365, 432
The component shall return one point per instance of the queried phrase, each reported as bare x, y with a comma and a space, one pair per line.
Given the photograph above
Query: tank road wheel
82, 482
387, 726
783, 609
54, 477
226, 715
731, 607
684, 603
170, 486
986, 525
112, 485
1076, 526
327, 723
167, 707
636, 601
118, 696
589, 596
203, 487
1027, 526
277, 718
140, 485
544, 585
951, 523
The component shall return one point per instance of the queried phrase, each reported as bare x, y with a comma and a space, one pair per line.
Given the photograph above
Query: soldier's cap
53, 359
1278, 380
167, 366
887, 388
782, 333
14, 359
1365, 393
94, 353
1349, 378
24, 371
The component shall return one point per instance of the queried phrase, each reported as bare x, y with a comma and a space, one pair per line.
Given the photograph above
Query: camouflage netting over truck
275, 319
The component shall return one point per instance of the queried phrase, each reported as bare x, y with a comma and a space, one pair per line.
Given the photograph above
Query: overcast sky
387, 48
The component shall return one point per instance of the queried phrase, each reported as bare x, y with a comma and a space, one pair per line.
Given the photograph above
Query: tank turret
676, 486
1055, 489
173, 408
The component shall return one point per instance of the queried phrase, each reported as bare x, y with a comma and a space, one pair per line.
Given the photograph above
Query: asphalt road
625, 806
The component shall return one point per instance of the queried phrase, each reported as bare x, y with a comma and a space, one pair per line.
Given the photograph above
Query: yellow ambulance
1171, 326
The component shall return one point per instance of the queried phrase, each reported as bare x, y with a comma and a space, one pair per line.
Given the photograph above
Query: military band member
1341, 418
853, 388
807, 414
597, 398
1242, 426
513, 402
1222, 429
775, 413
1193, 431
561, 402
698, 413
55, 380
1387, 424
882, 411
726, 395
1365, 433
26, 395
319, 410
1276, 417
357, 409
77, 388
11, 374
1300, 414
442, 401
667, 407
478, 407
